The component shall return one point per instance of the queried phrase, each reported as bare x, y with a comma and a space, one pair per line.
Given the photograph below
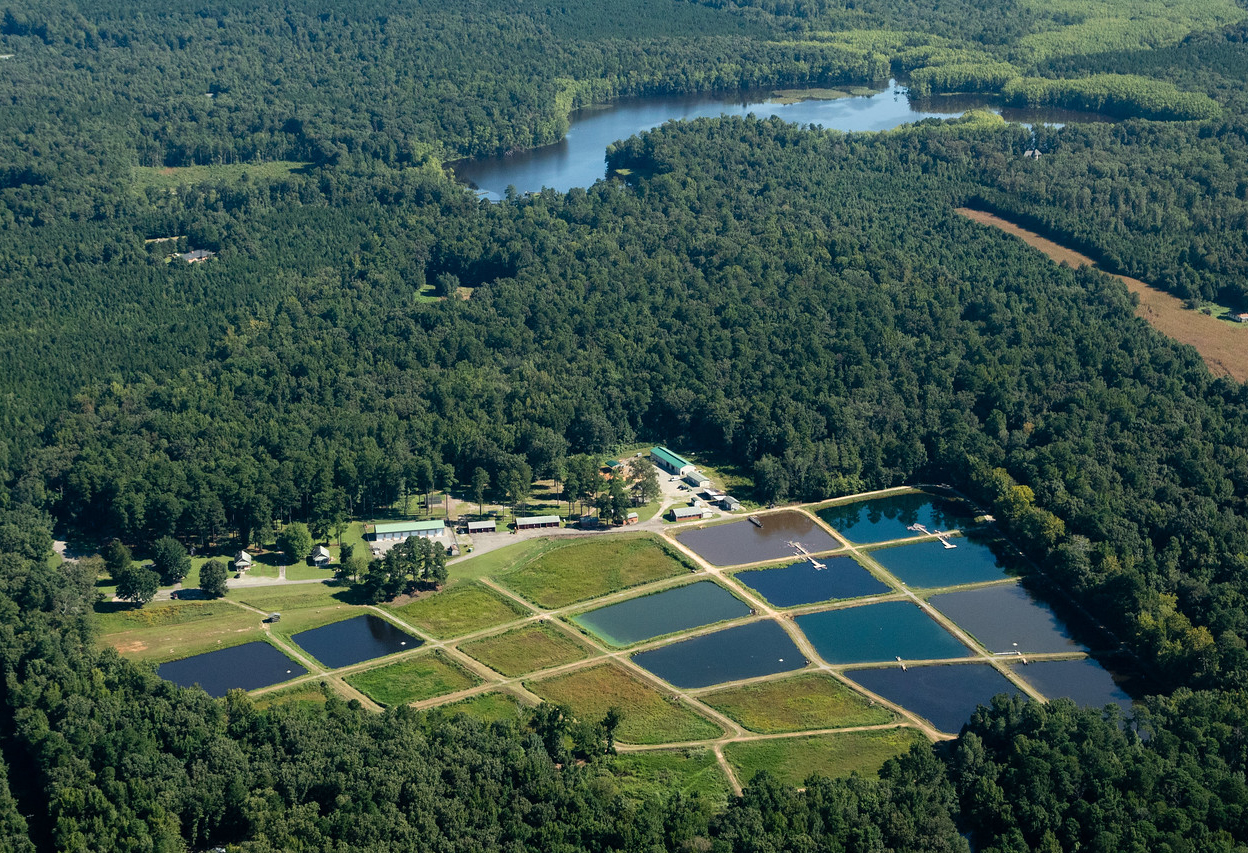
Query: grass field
169, 178
310, 694
1223, 346
489, 707
460, 609
589, 569
497, 562
792, 760
412, 680
811, 701
527, 649
649, 716
670, 771
170, 630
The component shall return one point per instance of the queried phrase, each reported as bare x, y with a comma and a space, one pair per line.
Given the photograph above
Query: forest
803, 303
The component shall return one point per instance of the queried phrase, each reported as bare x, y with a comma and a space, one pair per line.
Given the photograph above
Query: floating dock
939, 534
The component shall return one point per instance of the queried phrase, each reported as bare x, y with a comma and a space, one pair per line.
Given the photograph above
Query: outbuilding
688, 513
489, 526
729, 503
321, 556
670, 462
399, 531
242, 561
697, 479
534, 522
632, 518
588, 522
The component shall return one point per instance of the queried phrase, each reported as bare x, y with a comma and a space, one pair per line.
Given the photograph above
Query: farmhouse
398, 531
685, 513
321, 556
196, 256
533, 522
1240, 318
242, 561
670, 462
489, 526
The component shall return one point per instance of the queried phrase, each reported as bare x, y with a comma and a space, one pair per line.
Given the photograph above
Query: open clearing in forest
1223, 347
792, 760
594, 568
665, 772
413, 679
458, 610
527, 649
809, 701
649, 716
170, 178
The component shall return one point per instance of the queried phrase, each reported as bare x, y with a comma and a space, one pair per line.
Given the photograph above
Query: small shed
489, 526
242, 561
321, 556
632, 518
533, 522
729, 503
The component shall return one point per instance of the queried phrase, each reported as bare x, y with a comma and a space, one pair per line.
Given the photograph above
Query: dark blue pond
1005, 619
747, 651
882, 519
879, 632
354, 640
1085, 681
680, 609
944, 695
931, 564
802, 583
246, 667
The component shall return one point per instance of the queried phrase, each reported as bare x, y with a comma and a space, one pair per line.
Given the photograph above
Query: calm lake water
1006, 618
747, 651
579, 158
1085, 681
745, 542
247, 667
679, 609
883, 519
930, 564
879, 632
802, 583
945, 695
354, 640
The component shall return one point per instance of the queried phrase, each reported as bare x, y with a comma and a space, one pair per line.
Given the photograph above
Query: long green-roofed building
670, 462
387, 531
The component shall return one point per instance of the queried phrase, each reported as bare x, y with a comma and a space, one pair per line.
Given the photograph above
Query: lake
802, 583
944, 695
1005, 619
882, 519
354, 640
931, 564
246, 667
745, 542
879, 632
747, 651
667, 612
579, 159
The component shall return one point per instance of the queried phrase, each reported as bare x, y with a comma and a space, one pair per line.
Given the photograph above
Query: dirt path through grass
1223, 346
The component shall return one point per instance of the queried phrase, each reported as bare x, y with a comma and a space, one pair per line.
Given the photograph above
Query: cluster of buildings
707, 495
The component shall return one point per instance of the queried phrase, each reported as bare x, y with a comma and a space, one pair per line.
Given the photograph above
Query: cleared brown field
1220, 344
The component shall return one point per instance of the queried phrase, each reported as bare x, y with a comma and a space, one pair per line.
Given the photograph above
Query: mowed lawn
811, 701
664, 772
302, 606
413, 680
649, 716
169, 630
526, 649
792, 760
460, 609
585, 570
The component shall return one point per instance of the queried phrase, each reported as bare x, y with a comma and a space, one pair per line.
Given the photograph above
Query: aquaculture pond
746, 542
1006, 618
884, 519
879, 632
667, 612
931, 564
246, 667
1085, 681
804, 583
944, 695
747, 651
354, 640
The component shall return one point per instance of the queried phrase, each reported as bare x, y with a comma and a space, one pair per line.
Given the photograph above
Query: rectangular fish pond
804, 583
246, 667
884, 519
879, 632
747, 651
679, 609
931, 564
1084, 681
354, 640
1006, 618
744, 541
944, 695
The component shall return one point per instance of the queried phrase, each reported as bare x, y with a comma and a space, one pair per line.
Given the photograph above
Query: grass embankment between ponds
793, 760
649, 716
459, 609
490, 708
527, 649
586, 569
811, 701
662, 773
412, 680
